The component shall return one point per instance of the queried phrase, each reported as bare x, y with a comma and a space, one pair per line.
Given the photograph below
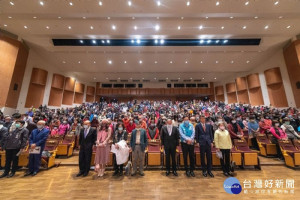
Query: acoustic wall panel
255, 93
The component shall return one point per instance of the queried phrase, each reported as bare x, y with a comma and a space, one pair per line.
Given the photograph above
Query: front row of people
170, 136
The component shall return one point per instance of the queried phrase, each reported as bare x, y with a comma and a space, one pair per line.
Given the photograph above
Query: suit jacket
90, 140
39, 137
169, 141
204, 137
3, 134
143, 139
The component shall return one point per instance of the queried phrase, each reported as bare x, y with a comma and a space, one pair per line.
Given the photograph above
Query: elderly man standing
87, 139
138, 144
37, 138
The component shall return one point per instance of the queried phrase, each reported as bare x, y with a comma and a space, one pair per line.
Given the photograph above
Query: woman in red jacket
152, 131
278, 134
235, 130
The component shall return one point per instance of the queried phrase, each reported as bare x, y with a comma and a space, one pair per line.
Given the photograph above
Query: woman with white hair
223, 144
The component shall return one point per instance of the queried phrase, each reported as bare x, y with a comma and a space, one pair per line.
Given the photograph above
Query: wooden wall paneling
69, 84
68, 97
58, 81
55, 98
90, 98
255, 96
241, 83
232, 97
39, 76
220, 97
78, 98
90, 90
253, 81
219, 90
292, 61
273, 76
243, 96
230, 87
79, 87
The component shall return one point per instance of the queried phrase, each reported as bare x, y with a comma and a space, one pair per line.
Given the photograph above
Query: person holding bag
223, 144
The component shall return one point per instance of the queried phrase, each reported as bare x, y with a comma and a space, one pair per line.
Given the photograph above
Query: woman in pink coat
63, 128
278, 134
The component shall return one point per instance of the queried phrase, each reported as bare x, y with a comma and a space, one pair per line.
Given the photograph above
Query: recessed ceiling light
133, 17
200, 27
188, 3
222, 27
256, 17
71, 4
130, 78
203, 78
25, 27
81, 41
157, 17
140, 61
206, 17
102, 41
158, 3
244, 27
208, 41
100, 3
94, 78
129, 3
225, 41
182, 17
217, 3
47, 27
179, 78
94, 41
34, 17
215, 78
288, 27
9, 17
280, 17
94, 62
231, 17
246, 3
157, 27
178, 27
171, 62
11, 3
110, 62
191, 78
138, 41
119, 78
167, 78
92, 27
201, 41
59, 17
108, 18
41, 3
5, 25
155, 62
64, 62
132, 41
247, 61
276, 3
108, 41
83, 17
186, 62
155, 78
135, 27
232, 61
106, 78
217, 62
113, 27
125, 61
69, 27
267, 26
217, 41
78, 62
201, 62
162, 41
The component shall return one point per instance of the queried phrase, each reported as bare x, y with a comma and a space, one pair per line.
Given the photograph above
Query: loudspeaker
169, 85
140, 85
15, 86
298, 84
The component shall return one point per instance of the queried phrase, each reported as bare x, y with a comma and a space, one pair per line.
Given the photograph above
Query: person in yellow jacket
223, 143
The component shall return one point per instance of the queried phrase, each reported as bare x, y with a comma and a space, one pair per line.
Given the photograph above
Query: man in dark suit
87, 139
204, 136
169, 141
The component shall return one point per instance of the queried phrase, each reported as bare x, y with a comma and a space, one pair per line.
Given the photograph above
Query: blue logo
232, 186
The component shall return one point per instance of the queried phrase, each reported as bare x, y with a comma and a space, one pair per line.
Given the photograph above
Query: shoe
188, 173
175, 173
211, 174
121, 174
77, 175
226, 174
34, 173
142, 173
192, 173
133, 174
230, 174
85, 174
27, 173
115, 173
3, 175
11, 175
204, 174
167, 173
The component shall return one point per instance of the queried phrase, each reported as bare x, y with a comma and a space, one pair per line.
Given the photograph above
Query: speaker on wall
140, 85
15, 86
169, 85
298, 84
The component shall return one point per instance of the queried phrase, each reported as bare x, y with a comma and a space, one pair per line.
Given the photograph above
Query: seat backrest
241, 145
69, 138
297, 144
153, 148
287, 145
262, 138
51, 145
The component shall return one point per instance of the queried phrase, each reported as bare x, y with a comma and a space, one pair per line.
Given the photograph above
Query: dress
102, 152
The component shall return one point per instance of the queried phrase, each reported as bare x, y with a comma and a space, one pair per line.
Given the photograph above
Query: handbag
128, 168
232, 164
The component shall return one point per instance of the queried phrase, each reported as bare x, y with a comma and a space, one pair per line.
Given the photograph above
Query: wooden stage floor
61, 184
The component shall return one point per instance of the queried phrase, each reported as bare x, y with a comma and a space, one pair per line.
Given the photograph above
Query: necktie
203, 125
85, 132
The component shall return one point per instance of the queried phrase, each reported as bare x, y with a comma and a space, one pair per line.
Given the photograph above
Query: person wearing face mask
13, 143
187, 137
235, 130
103, 147
204, 137
223, 144
263, 126
253, 131
7, 122
37, 138
3, 133
152, 131
138, 144
278, 134
289, 130
120, 134
169, 142
130, 127
87, 139
63, 128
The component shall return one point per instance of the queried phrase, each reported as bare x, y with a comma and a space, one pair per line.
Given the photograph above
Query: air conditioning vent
197, 80
187, 80
174, 80
113, 81
162, 80
145, 81
124, 81
135, 80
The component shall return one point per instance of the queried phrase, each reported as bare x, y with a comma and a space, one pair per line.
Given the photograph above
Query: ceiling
38, 22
